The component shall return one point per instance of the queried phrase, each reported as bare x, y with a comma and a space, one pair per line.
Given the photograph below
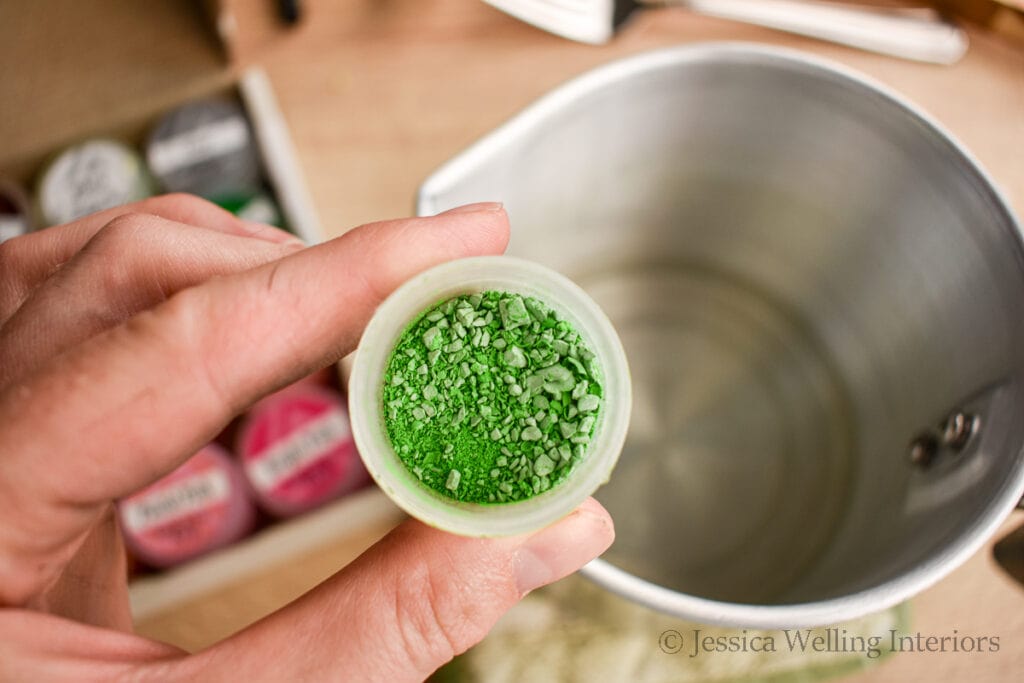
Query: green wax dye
491, 397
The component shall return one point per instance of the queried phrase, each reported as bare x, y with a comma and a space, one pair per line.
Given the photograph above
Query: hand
128, 339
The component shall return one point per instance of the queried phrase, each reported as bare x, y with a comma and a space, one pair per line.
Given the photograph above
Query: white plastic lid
469, 276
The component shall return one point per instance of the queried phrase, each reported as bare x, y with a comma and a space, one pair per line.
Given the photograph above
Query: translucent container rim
468, 276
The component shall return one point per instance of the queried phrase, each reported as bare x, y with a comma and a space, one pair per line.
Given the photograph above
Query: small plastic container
297, 451
202, 505
207, 148
468, 276
91, 176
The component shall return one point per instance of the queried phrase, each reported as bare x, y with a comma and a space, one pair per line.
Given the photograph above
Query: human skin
128, 339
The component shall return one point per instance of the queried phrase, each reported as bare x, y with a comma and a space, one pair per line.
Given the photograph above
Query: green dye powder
491, 397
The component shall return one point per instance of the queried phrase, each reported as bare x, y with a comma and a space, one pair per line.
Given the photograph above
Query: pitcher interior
804, 276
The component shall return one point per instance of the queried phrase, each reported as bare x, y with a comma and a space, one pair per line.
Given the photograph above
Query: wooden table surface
378, 93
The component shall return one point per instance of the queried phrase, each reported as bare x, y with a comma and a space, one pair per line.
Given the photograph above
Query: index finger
131, 404
28, 260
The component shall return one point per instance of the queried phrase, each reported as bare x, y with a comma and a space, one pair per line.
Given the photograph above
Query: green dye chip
491, 397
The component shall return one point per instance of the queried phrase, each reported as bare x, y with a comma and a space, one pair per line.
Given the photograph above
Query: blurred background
320, 115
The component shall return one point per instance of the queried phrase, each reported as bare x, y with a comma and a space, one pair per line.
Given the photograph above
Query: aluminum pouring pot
821, 296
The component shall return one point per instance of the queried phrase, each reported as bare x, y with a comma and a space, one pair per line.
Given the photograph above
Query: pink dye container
297, 451
202, 505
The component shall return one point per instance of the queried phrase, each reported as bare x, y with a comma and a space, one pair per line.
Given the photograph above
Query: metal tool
919, 34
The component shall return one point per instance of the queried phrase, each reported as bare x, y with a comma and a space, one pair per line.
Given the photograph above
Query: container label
198, 145
175, 501
310, 442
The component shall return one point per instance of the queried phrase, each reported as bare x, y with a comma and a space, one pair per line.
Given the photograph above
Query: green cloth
576, 632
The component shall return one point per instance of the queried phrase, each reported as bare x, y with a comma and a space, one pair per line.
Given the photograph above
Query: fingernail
563, 547
478, 207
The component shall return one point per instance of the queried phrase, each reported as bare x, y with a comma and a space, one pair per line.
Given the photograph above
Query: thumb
409, 604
